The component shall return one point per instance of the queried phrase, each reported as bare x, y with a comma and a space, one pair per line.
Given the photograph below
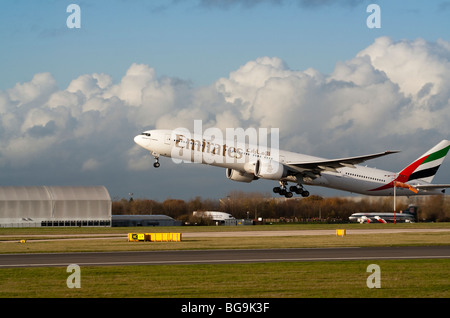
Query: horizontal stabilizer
432, 186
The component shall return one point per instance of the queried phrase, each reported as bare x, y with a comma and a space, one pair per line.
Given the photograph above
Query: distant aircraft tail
426, 166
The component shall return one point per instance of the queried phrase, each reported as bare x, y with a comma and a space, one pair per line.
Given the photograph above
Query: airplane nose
139, 140
145, 141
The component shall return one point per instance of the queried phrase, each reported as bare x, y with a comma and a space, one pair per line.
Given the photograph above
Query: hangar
49, 206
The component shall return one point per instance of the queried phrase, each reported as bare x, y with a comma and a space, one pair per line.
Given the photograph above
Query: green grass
399, 279
343, 279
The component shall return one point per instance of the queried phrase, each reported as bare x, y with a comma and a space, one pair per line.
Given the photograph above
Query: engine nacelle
270, 170
239, 176
250, 167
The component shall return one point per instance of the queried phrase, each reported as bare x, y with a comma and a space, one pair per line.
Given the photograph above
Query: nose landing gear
156, 164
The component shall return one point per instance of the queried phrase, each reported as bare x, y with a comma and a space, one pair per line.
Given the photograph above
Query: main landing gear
282, 190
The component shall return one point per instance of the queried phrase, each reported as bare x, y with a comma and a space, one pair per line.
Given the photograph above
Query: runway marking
215, 261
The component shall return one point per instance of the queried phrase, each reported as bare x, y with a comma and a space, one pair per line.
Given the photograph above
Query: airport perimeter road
54, 237
223, 256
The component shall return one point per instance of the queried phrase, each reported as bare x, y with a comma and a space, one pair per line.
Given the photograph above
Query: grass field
346, 279
399, 279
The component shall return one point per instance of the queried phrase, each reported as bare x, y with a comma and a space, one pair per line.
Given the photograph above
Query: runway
224, 256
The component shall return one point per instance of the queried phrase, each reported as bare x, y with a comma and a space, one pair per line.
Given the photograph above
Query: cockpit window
146, 134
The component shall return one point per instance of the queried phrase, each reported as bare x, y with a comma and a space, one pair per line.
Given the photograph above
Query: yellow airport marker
154, 237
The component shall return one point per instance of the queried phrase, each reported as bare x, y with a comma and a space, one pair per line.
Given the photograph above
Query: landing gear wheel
299, 190
283, 190
156, 156
288, 195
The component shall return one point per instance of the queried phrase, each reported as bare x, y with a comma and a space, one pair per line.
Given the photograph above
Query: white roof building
35, 206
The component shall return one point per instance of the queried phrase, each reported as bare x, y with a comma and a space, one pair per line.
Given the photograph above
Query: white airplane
245, 163
382, 217
214, 215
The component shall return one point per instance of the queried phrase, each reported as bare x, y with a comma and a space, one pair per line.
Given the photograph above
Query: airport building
55, 206
144, 220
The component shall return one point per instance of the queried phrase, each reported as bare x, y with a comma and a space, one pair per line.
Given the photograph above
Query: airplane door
167, 139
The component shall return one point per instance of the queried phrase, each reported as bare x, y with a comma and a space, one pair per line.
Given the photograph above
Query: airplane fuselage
382, 217
245, 163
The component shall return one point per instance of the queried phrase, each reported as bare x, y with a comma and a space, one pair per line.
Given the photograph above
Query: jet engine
239, 176
270, 170
250, 167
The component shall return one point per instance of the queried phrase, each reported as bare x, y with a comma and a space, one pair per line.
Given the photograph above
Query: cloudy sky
72, 99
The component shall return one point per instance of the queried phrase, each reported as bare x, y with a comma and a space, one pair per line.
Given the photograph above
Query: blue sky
194, 44
195, 41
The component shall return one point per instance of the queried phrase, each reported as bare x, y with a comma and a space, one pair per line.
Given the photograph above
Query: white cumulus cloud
390, 94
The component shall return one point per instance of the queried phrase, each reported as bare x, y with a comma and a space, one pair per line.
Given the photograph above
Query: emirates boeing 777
246, 163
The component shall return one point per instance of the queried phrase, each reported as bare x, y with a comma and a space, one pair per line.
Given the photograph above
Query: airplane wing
316, 167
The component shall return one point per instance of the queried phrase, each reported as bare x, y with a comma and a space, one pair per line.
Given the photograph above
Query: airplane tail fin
426, 166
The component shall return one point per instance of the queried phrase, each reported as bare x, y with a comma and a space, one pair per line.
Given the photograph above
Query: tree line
255, 205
